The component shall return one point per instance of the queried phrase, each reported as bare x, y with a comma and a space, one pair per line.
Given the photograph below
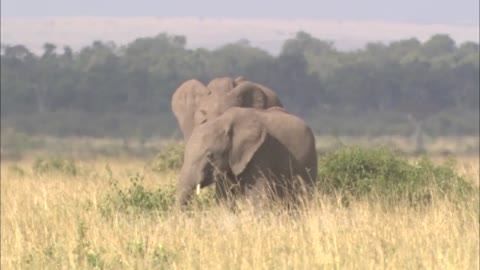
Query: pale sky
414, 11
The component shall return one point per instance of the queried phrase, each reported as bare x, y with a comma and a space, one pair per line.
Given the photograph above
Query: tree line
109, 90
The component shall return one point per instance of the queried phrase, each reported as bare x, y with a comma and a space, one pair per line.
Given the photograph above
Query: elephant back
272, 97
221, 85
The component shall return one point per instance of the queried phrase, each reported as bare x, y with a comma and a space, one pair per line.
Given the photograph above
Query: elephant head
222, 84
245, 94
220, 147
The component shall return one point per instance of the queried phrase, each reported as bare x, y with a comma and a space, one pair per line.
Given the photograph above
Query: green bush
136, 198
169, 158
380, 173
66, 166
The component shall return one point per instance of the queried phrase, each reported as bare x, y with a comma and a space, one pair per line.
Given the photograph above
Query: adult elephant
250, 152
193, 103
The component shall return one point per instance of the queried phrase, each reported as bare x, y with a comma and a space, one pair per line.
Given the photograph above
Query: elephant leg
257, 193
226, 191
307, 179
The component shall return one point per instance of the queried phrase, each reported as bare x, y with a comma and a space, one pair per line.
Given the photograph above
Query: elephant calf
250, 152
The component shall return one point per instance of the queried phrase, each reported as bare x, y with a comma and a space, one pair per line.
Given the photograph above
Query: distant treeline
124, 91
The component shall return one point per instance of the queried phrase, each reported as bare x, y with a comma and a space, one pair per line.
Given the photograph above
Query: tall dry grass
52, 221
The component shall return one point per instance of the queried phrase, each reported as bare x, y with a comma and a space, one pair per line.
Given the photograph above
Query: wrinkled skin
193, 103
257, 154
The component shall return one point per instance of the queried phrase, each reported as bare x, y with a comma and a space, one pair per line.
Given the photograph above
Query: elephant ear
249, 95
185, 101
238, 80
247, 135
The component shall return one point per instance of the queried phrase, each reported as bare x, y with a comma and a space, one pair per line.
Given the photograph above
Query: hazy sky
418, 11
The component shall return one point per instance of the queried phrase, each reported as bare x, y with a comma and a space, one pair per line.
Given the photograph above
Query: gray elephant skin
193, 103
252, 153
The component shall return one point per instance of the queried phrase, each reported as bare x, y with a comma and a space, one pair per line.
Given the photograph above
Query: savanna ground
111, 212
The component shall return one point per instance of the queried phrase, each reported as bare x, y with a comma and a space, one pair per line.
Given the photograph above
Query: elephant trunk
190, 178
185, 187
187, 125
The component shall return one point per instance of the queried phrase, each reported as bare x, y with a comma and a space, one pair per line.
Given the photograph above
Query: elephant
252, 153
193, 103
185, 101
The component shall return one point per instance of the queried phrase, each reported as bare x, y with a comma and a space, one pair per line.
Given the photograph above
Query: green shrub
66, 166
169, 158
380, 173
136, 198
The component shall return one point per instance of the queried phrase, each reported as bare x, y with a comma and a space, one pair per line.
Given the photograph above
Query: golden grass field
52, 221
